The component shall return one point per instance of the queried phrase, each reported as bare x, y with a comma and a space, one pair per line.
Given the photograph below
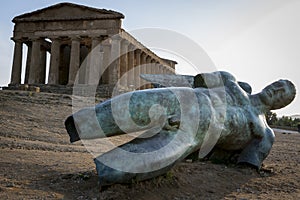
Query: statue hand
172, 123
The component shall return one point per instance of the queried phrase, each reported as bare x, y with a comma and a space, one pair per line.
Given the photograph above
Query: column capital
76, 38
116, 37
148, 59
131, 47
37, 39
27, 42
54, 38
95, 41
98, 37
124, 47
16, 39
104, 37
143, 53
106, 42
138, 51
126, 42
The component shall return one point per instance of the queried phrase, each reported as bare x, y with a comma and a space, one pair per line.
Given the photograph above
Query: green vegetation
283, 121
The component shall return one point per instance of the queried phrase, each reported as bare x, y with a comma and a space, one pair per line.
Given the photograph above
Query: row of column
36, 60
111, 60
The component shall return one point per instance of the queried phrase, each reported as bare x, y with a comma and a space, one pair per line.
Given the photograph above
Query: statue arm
127, 113
258, 149
204, 80
212, 80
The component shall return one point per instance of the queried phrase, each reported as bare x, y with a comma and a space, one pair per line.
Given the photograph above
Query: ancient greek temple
86, 46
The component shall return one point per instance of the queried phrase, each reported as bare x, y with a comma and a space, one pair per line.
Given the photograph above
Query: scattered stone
10, 185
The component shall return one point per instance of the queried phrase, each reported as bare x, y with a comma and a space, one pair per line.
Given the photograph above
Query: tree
271, 118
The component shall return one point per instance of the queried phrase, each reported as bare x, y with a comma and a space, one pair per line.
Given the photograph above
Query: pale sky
258, 41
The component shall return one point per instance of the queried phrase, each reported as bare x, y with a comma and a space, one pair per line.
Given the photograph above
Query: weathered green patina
214, 111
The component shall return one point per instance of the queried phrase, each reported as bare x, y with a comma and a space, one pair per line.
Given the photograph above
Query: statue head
278, 94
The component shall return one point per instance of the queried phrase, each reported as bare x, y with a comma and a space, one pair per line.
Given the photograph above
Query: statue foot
71, 129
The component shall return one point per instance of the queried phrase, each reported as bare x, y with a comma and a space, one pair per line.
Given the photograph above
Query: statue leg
143, 158
126, 113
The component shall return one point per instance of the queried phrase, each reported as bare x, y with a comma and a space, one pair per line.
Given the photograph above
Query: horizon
255, 41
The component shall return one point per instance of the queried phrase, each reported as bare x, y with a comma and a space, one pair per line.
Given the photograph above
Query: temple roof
67, 11
168, 60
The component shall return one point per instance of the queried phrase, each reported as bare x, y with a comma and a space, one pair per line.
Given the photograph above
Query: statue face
278, 94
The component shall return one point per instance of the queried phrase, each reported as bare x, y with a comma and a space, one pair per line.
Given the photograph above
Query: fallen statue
207, 114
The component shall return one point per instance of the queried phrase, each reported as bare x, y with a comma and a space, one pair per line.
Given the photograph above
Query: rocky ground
38, 162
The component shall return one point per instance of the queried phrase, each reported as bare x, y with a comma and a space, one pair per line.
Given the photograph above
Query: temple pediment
67, 11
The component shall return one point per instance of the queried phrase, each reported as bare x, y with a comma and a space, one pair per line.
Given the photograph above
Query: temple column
144, 66
28, 60
152, 68
114, 69
106, 59
17, 62
53, 77
156, 69
35, 61
84, 61
172, 71
154, 65
137, 68
143, 62
124, 63
148, 69
160, 67
165, 70
130, 62
94, 70
74, 60
42, 69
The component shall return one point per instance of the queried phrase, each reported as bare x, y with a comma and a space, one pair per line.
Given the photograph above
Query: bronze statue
202, 113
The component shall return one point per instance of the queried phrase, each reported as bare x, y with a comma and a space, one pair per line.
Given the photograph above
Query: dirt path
38, 162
